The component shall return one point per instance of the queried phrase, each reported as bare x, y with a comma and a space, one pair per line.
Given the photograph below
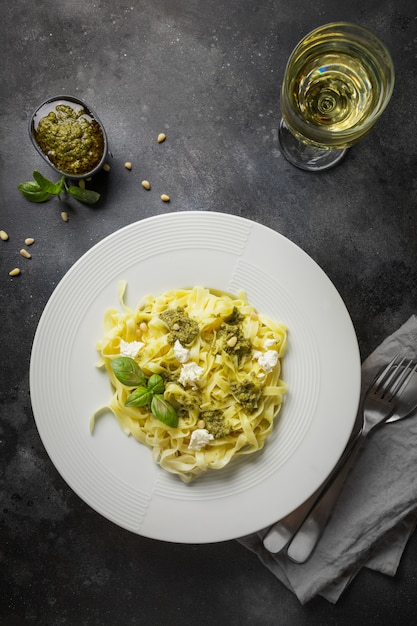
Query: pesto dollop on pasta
218, 361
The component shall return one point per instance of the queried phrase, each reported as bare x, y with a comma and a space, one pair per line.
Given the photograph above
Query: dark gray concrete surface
208, 74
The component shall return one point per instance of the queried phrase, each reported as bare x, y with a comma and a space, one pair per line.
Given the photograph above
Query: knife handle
309, 533
279, 535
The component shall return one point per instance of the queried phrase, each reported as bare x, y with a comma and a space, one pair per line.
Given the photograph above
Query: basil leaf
33, 192
47, 185
42, 189
156, 384
29, 186
140, 397
128, 372
88, 196
164, 411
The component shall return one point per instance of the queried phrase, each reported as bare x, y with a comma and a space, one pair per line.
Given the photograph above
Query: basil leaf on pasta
164, 411
128, 372
156, 384
140, 397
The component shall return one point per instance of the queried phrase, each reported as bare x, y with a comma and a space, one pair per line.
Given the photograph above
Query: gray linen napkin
376, 512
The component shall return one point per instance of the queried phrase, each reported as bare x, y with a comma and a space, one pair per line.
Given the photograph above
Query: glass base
305, 156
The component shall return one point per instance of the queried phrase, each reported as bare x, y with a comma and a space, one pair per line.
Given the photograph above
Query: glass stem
307, 156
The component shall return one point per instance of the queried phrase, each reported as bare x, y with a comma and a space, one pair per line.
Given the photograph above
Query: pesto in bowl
69, 136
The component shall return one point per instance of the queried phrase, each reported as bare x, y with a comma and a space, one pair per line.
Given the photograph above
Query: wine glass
338, 81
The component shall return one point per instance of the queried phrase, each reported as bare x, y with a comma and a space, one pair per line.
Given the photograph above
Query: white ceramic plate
114, 474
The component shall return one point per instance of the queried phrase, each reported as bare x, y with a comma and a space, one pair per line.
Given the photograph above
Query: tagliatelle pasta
220, 363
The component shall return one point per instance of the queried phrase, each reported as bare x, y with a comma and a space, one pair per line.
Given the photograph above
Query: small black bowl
78, 105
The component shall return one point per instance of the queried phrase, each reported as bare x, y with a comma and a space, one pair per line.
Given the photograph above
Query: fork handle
309, 533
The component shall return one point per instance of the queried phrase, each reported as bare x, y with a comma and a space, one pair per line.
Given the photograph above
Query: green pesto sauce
183, 402
247, 393
242, 347
235, 317
180, 325
71, 139
231, 328
215, 423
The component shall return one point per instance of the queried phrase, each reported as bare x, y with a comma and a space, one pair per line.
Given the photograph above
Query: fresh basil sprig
41, 189
146, 392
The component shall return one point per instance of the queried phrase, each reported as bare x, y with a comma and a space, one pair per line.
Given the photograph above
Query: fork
280, 534
380, 403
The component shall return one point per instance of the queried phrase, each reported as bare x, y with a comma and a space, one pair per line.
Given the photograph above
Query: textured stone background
208, 74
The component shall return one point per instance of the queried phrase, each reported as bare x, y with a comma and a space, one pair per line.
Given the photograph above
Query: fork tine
401, 381
384, 376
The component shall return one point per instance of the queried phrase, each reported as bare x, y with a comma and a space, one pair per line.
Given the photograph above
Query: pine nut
143, 327
128, 165
15, 272
106, 167
175, 326
165, 198
146, 184
29, 241
161, 137
65, 216
232, 341
25, 253
81, 184
3, 235
201, 424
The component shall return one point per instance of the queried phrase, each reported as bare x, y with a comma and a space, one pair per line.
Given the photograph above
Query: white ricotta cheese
267, 360
130, 348
199, 438
190, 373
269, 343
181, 354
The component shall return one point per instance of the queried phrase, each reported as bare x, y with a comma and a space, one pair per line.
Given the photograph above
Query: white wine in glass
338, 81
